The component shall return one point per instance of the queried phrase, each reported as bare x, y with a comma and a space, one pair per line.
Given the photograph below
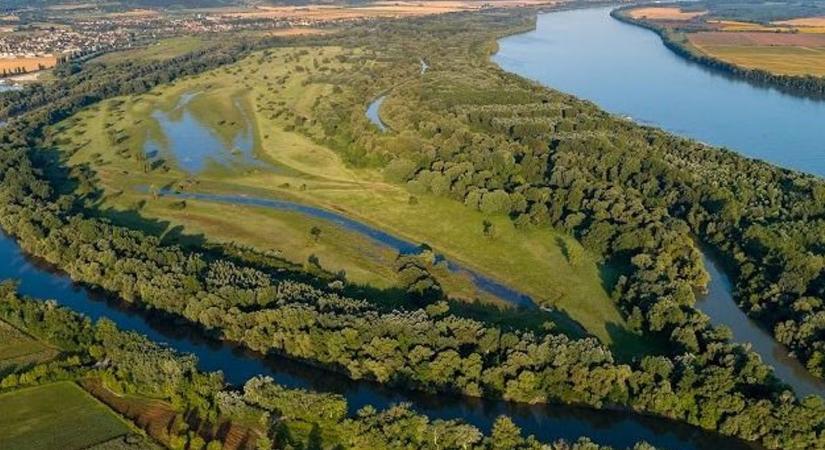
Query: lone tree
315, 233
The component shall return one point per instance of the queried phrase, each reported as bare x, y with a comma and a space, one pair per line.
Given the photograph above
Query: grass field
17, 349
55, 416
164, 49
254, 95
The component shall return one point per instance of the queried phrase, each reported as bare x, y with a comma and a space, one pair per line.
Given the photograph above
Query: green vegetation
164, 393
158, 51
17, 349
634, 197
59, 415
266, 92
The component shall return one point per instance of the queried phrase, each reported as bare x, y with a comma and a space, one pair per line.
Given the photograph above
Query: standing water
195, 145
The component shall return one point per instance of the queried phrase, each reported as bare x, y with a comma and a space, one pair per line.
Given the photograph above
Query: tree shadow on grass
628, 345
611, 270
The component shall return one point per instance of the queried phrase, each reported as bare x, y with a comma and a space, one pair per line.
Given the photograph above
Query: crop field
18, 349
664, 13
242, 108
735, 25
379, 9
805, 24
33, 419
10, 65
165, 49
785, 53
788, 47
156, 416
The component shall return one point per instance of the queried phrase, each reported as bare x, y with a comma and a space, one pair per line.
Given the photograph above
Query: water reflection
194, 145
372, 112
723, 310
547, 422
482, 282
628, 71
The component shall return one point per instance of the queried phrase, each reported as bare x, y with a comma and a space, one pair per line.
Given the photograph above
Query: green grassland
18, 350
59, 415
268, 92
165, 49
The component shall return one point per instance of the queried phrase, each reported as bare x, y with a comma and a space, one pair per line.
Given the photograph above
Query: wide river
627, 70
568, 51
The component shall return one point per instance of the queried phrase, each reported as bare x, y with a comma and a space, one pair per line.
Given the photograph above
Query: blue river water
402, 246
547, 422
627, 70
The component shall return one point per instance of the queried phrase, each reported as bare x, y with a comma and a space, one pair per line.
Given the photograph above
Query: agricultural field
664, 13
156, 417
26, 64
232, 132
379, 9
164, 49
32, 419
784, 53
19, 350
786, 47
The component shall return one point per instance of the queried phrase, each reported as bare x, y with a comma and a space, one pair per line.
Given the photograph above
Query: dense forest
762, 11
496, 142
107, 361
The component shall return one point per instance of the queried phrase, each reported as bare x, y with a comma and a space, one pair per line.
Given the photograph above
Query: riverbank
247, 304
238, 364
808, 86
648, 78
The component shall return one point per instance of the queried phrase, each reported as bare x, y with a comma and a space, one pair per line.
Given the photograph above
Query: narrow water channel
482, 282
372, 109
547, 422
720, 305
627, 70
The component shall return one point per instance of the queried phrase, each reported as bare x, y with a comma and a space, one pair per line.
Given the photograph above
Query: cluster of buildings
92, 35
33, 43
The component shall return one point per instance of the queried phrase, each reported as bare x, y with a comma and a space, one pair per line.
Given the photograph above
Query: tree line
129, 364
805, 85
706, 381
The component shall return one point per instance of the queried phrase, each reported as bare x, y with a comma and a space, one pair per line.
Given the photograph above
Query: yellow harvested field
775, 58
803, 22
735, 25
136, 13
664, 13
296, 31
378, 9
805, 25
9, 65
